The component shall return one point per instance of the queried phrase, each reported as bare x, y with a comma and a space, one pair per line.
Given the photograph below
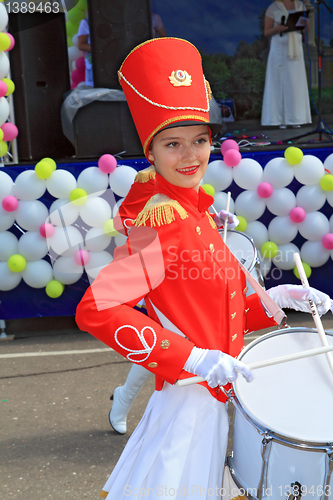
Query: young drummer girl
194, 289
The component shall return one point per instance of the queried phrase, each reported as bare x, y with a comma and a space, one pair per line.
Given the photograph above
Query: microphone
283, 18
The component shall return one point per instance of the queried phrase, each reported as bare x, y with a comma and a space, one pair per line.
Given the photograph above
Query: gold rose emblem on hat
180, 78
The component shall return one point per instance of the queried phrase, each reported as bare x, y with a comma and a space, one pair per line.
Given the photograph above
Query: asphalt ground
56, 441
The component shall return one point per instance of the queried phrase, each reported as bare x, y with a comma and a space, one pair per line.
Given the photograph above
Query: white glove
296, 297
216, 367
222, 216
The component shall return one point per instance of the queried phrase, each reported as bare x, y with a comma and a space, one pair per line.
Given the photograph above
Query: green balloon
54, 289
16, 263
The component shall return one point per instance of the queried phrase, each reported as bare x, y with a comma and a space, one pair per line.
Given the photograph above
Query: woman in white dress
286, 95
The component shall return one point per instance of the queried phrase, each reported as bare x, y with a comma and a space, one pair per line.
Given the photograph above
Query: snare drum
283, 424
242, 246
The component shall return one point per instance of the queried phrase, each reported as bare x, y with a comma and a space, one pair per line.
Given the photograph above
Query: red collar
187, 197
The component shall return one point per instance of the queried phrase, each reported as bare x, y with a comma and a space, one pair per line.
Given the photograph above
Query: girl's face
181, 154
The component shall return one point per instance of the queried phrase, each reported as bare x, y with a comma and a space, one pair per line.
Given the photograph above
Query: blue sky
218, 26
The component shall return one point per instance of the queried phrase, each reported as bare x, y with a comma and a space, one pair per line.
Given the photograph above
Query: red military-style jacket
194, 289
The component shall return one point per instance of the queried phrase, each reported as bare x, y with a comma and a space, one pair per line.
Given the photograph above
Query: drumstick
313, 307
268, 362
226, 220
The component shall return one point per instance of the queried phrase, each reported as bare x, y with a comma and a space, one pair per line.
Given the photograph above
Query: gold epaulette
211, 220
160, 210
146, 174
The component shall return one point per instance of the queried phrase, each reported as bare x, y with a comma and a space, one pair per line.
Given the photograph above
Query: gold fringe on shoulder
103, 494
211, 220
160, 210
146, 174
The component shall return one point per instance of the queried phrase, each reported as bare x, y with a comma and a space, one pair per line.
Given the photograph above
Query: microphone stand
320, 129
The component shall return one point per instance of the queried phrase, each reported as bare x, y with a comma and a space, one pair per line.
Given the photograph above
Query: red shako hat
164, 85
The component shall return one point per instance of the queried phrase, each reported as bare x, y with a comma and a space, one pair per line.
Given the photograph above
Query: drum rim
301, 443
255, 257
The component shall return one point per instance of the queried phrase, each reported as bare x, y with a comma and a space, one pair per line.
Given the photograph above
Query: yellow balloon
307, 270
4, 41
269, 250
16, 263
54, 289
78, 196
209, 189
242, 224
3, 148
51, 162
293, 155
10, 86
326, 182
43, 169
109, 229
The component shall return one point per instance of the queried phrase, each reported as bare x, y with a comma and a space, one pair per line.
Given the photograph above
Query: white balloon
249, 205
37, 274
7, 219
63, 212
65, 241
28, 186
258, 232
120, 239
32, 246
97, 261
328, 163
3, 17
285, 256
314, 254
265, 266
66, 270
93, 181
331, 224
278, 173
329, 197
74, 53
311, 198
281, 201
96, 240
4, 69
95, 212
314, 226
220, 202
6, 183
61, 183
121, 179
4, 108
116, 207
8, 245
75, 40
218, 175
282, 230
30, 215
248, 174
309, 171
8, 279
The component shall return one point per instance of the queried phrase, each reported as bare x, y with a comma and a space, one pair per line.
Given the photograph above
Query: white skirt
177, 450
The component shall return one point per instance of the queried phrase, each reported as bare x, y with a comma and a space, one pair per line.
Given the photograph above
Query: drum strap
271, 307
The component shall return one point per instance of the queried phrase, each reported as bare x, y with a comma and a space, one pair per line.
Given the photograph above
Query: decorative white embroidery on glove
216, 367
134, 354
297, 297
222, 216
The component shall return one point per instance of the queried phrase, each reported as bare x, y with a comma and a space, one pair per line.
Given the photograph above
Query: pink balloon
10, 203
232, 157
3, 89
229, 144
327, 241
12, 42
10, 131
297, 214
107, 163
81, 257
46, 230
265, 190
80, 64
77, 76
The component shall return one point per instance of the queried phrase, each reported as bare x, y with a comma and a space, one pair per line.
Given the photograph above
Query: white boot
124, 395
